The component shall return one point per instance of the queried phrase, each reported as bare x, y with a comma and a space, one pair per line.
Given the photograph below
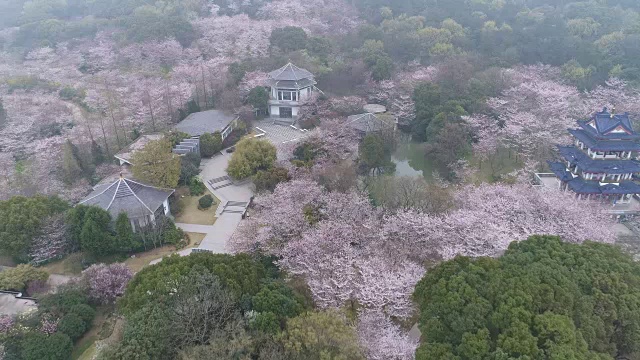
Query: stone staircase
284, 121
235, 207
221, 182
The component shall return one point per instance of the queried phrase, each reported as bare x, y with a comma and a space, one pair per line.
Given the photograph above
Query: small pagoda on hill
601, 164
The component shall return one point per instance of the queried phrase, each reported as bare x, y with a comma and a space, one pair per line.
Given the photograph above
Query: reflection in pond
410, 159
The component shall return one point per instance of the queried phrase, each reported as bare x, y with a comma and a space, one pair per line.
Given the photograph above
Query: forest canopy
543, 299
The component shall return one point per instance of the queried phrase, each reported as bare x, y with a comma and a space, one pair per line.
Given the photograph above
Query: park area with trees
339, 257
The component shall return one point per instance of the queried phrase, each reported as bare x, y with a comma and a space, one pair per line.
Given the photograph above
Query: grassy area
71, 265
189, 212
143, 259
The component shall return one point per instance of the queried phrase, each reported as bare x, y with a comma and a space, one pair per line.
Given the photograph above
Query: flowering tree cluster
533, 115
348, 252
383, 340
48, 325
52, 243
107, 282
6, 323
397, 93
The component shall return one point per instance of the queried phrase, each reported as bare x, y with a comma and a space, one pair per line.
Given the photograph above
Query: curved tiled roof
125, 195
290, 72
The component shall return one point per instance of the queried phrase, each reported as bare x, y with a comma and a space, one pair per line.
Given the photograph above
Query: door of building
286, 112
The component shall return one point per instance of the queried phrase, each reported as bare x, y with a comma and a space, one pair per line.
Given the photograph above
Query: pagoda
601, 163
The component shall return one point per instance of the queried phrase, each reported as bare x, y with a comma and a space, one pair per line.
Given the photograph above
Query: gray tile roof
368, 123
126, 195
127, 153
290, 84
290, 72
202, 122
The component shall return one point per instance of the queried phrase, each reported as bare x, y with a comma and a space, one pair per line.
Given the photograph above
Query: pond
410, 159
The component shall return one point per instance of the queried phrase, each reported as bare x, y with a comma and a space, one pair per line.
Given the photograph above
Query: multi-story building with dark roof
290, 87
601, 164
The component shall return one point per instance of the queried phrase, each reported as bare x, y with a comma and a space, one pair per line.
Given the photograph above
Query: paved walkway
234, 197
279, 134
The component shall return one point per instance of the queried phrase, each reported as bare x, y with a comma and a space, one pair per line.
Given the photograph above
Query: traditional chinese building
290, 87
601, 163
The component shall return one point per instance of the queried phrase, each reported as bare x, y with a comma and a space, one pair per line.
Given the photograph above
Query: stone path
234, 197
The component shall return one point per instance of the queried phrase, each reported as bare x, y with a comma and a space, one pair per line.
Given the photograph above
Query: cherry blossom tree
382, 339
52, 242
48, 325
6, 323
107, 282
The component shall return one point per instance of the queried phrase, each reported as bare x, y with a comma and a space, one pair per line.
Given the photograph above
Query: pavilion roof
604, 145
125, 195
290, 72
604, 125
575, 156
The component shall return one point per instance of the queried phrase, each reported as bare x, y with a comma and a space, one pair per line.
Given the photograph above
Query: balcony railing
283, 102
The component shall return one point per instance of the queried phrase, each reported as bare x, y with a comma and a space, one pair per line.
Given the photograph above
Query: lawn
71, 265
189, 212
143, 259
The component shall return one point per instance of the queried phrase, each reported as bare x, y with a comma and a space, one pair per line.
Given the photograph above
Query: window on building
227, 131
288, 95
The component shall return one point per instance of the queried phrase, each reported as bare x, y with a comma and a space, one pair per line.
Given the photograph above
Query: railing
538, 178
283, 102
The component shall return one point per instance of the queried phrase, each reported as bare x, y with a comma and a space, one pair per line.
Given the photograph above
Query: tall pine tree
124, 233
3, 115
71, 166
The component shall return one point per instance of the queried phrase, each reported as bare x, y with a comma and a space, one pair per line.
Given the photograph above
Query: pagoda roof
604, 145
128, 196
605, 125
291, 84
575, 156
581, 186
290, 72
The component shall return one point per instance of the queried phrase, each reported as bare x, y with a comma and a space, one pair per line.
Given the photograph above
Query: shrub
172, 234
39, 346
196, 187
206, 202
250, 157
267, 180
84, 311
19, 277
72, 325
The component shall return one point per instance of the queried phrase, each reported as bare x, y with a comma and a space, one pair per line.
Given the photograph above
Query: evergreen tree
124, 233
71, 167
95, 240
3, 115
97, 154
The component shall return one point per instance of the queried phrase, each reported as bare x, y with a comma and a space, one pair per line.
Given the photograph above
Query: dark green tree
3, 115
72, 325
289, 38
267, 180
427, 98
210, 144
124, 233
21, 219
97, 154
259, 98
543, 299
39, 346
374, 157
